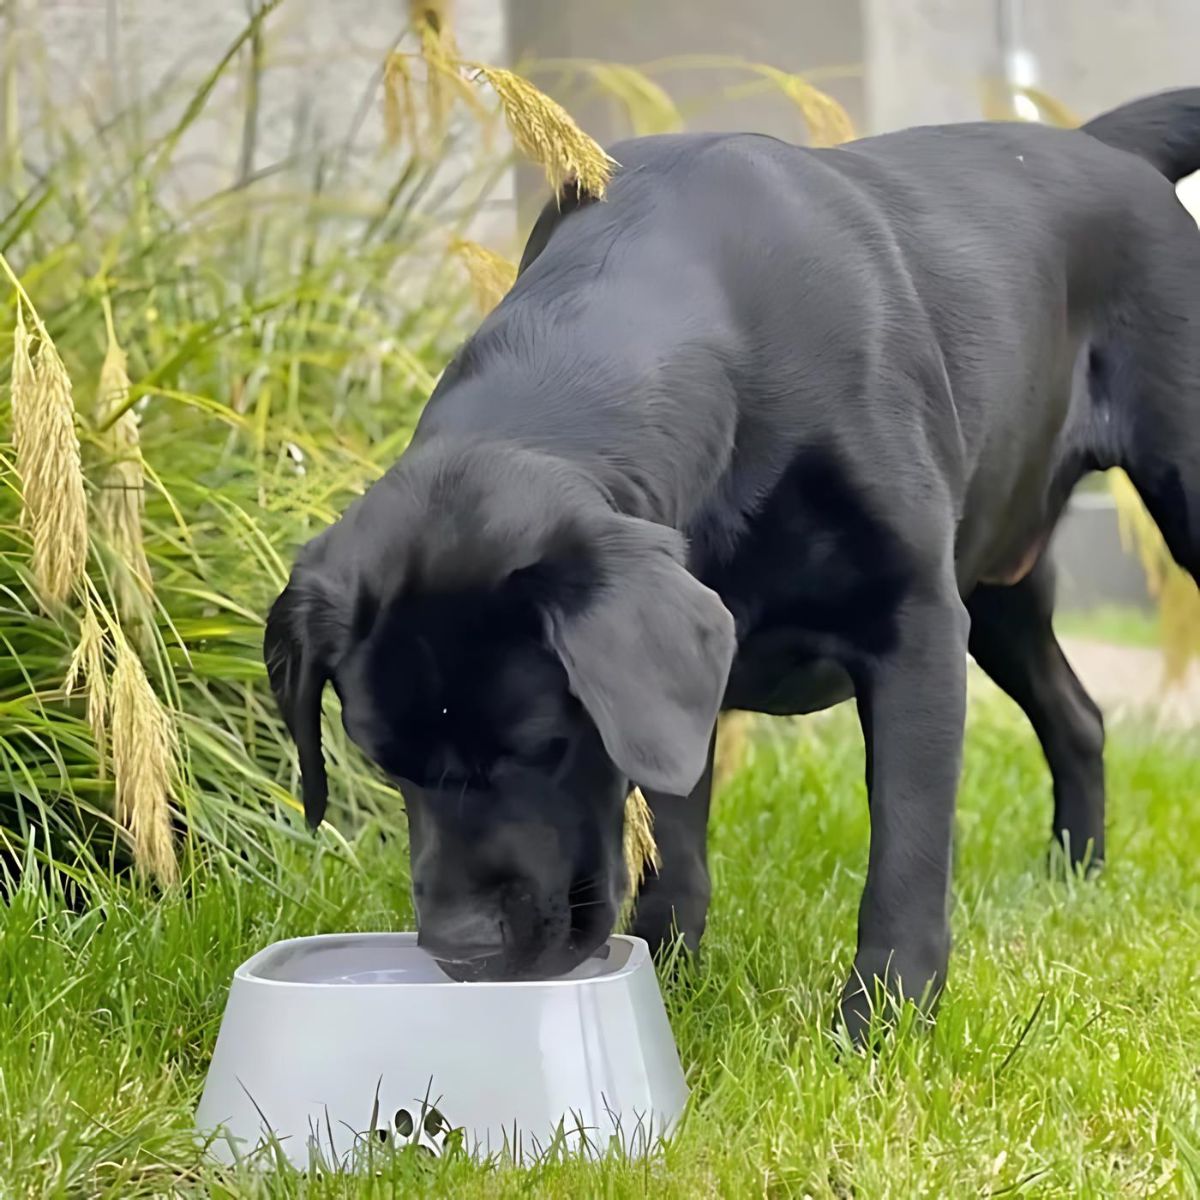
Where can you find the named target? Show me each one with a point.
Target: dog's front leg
(673, 901)
(912, 703)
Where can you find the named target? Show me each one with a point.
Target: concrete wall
(917, 61)
(1094, 570)
(1096, 55)
(925, 58)
(319, 82)
(795, 35)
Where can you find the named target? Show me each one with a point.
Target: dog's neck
(614, 421)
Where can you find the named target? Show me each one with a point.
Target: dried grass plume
(638, 842)
(122, 487)
(546, 133)
(491, 274)
(88, 664)
(434, 26)
(145, 758)
(399, 107)
(732, 734)
(54, 502)
(647, 103)
(828, 122)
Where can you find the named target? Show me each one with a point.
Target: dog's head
(514, 655)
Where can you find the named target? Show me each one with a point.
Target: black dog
(769, 428)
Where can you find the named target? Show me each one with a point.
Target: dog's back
(961, 269)
(858, 384)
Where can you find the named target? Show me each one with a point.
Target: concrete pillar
(796, 35)
(925, 59)
(1093, 56)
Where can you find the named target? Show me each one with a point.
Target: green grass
(1064, 1061)
(1122, 625)
(283, 333)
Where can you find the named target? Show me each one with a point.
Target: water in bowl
(374, 959)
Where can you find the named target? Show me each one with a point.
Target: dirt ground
(1127, 681)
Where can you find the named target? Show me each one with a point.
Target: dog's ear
(298, 669)
(647, 650)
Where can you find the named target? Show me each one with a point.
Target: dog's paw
(1062, 864)
(885, 992)
(658, 926)
(671, 923)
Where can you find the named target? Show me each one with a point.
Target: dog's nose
(459, 935)
(489, 942)
(466, 949)
(489, 968)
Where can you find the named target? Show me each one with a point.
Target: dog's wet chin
(504, 967)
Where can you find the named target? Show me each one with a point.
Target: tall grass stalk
(276, 341)
(247, 361)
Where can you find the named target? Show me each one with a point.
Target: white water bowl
(329, 1041)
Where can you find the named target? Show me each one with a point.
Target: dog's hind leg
(1167, 477)
(1163, 461)
(1147, 386)
(1013, 640)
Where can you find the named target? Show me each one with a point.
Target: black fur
(824, 404)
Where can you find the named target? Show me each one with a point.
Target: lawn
(1066, 1060)
(243, 362)
(1122, 625)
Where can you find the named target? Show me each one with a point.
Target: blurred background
(243, 238)
(890, 63)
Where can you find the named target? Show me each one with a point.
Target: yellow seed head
(145, 757)
(828, 122)
(647, 103)
(1179, 604)
(638, 843)
(48, 463)
(399, 108)
(491, 274)
(431, 20)
(1000, 98)
(122, 490)
(434, 13)
(732, 731)
(545, 133)
(87, 663)
(1137, 527)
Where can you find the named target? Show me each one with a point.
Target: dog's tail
(1163, 129)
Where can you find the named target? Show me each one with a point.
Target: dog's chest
(783, 672)
(814, 580)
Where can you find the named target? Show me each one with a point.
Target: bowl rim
(247, 972)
